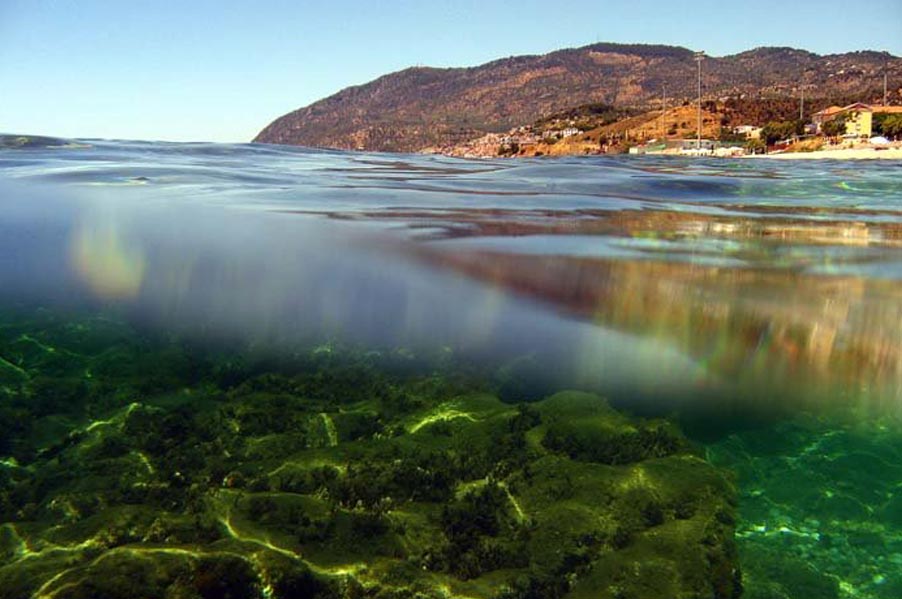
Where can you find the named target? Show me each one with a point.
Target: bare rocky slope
(420, 107)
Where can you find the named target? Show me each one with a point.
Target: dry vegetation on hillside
(419, 107)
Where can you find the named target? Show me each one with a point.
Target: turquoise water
(255, 371)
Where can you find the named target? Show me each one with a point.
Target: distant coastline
(601, 98)
(893, 153)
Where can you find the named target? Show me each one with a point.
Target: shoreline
(840, 154)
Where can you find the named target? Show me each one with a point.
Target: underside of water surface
(252, 372)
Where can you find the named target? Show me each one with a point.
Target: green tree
(834, 128)
(775, 131)
(755, 146)
(727, 135)
(892, 126)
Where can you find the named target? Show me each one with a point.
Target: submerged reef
(821, 513)
(137, 466)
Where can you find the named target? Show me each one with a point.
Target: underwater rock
(11, 375)
(782, 576)
(891, 512)
(154, 572)
(523, 379)
(336, 478)
(585, 428)
(819, 515)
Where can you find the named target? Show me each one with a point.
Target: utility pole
(699, 56)
(663, 110)
(802, 104)
(884, 86)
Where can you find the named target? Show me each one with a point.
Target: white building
(749, 131)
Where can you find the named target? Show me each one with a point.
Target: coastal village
(608, 98)
(675, 131)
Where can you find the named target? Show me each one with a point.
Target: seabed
(139, 464)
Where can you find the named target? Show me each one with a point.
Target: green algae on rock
(333, 476)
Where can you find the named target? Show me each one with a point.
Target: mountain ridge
(419, 107)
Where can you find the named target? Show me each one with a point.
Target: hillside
(590, 136)
(600, 128)
(421, 107)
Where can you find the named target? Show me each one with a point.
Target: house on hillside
(825, 115)
(560, 133)
(859, 117)
(748, 131)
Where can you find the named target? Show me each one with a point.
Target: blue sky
(221, 70)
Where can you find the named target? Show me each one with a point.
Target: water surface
(756, 305)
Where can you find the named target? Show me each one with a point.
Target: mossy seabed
(132, 466)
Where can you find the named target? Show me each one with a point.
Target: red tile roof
(860, 106)
(829, 111)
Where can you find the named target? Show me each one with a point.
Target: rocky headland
(425, 108)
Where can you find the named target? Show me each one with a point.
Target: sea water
(258, 371)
